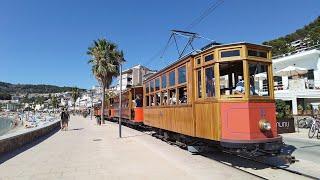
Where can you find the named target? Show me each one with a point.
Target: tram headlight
(264, 125)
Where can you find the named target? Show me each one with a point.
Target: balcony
(296, 85)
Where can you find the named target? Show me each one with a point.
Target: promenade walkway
(88, 151)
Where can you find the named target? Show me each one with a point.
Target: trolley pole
(120, 100)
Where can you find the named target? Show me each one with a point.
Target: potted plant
(308, 109)
(287, 110)
(300, 109)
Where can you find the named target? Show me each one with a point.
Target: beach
(13, 122)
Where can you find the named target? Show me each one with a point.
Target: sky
(45, 42)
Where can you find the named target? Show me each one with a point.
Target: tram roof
(197, 52)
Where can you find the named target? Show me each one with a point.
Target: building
(132, 77)
(304, 90)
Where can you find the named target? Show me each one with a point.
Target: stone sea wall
(12, 141)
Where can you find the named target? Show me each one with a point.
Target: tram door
(206, 107)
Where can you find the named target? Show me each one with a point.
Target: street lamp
(120, 96)
(120, 100)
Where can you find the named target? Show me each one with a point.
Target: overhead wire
(214, 5)
(205, 13)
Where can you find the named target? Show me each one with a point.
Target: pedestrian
(64, 119)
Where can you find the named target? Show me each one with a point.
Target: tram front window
(231, 78)
(259, 85)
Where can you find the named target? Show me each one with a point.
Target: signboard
(285, 126)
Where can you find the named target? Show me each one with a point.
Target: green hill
(309, 33)
(7, 89)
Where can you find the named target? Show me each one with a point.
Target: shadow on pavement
(76, 129)
(9, 155)
(310, 146)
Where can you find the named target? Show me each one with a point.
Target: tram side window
(183, 96)
(151, 86)
(199, 85)
(210, 82)
(231, 78)
(164, 98)
(163, 81)
(157, 84)
(157, 96)
(259, 79)
(147, 87)
(172, 78)
(152, 100)
(172, 97)
(147, 101)
(198, 61)
(182, 74)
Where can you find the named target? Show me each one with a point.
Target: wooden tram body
(130, 113)
(213, 110)
(210, 95)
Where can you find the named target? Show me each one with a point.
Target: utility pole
(120, 100)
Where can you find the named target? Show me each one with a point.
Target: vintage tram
(221, 95)
(131, 110)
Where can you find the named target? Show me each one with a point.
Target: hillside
(7, 89)
(309, 33)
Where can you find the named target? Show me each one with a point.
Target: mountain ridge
(12, 89)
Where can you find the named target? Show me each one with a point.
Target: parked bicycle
(315, 127)
(305, 122)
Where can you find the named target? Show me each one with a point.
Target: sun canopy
(291, 71)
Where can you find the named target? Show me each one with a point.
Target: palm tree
(105, 65)
(54, 102)
(75, 95)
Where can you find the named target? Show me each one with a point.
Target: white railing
(317, 46)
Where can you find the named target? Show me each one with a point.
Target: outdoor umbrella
(291, 71)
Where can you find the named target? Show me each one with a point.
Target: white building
(132, 77)
(306, 89)
(84, 101)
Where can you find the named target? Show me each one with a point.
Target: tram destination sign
(285, 125)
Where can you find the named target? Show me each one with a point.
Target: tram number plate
(285, 126)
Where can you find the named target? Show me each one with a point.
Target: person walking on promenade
(64, 119)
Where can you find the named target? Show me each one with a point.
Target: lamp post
(120, 100)
(121, 60)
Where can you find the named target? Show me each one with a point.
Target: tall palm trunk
(102, 103)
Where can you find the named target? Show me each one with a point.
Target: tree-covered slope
(309, 33)
(7, 88)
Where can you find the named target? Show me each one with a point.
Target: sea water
(5, 125)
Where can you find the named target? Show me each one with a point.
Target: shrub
(309, 107)
(280, 108)
(300, 107)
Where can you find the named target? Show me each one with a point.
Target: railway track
(257, 167)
